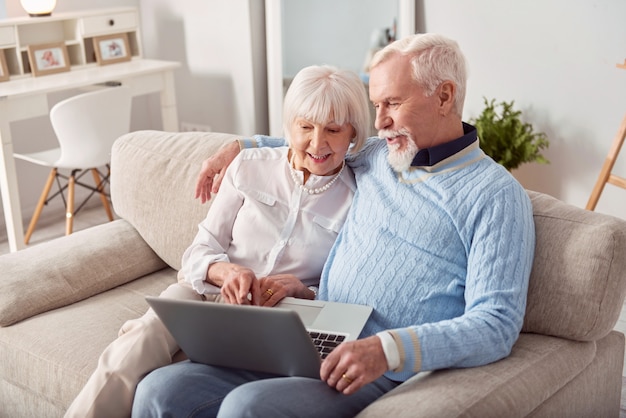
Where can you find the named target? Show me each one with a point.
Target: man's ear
(445, 93)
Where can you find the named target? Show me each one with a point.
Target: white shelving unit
(24, 96)
(76, 30)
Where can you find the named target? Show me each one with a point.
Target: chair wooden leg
(103, 196)
(69, 212)
(607, 167)
(40, 204)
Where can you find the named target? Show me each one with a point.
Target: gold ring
(347, 379)
(269, 292)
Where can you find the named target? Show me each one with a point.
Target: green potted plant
(505, 138)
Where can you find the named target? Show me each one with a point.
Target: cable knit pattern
(443, 254)
(428, 247)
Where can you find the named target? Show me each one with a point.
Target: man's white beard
(400, 160)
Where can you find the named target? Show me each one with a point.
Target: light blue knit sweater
(443, 254)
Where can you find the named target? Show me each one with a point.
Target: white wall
(556, 59)
(221, 45)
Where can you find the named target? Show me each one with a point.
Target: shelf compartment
(47, 32)
(7, 36)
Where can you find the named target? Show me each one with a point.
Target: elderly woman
(279, 210)
(266, 235)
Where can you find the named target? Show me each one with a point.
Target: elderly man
(439, 240)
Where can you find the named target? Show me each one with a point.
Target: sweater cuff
(390, 349)
(245, 143)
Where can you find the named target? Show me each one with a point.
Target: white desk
(26, 98)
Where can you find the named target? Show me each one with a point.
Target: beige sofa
(63, 301)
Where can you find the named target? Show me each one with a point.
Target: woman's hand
(236, 282)
(274, 288)
(240, 286)
(213, 169)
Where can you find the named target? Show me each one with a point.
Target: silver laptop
(288, 340)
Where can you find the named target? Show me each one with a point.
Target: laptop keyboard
(325, 342)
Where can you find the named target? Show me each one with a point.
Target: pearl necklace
(318, 190)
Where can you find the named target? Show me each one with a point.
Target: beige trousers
(143, 345)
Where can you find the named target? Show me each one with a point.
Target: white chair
(86, 126)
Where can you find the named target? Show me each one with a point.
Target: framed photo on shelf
(111, 49)
(4, 70)
(48, 58)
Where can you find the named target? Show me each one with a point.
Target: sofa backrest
(578, 280)
(153, 178)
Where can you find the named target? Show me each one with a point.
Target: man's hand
(213, 169)
(354, 364)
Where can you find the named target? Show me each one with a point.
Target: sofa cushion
(578, 281)
(95, 259)
(48, 358)
(165, 213)
(596, 391)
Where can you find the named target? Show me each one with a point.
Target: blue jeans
(196, 390)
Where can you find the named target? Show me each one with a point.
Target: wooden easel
(606, 175)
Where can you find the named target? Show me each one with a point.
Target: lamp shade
(37, 8)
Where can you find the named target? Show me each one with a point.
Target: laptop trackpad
(343, 318)
(307, 313)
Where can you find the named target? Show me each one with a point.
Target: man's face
(405, 116)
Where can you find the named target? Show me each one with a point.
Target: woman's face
(319, 148)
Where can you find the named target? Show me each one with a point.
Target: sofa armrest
(537, 368)
(72, 268)
(578, 281)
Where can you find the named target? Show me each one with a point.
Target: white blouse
(262, 220)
